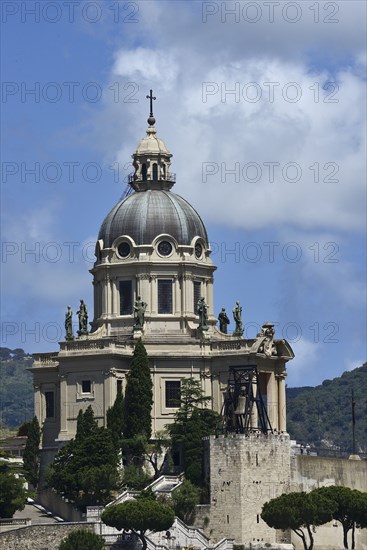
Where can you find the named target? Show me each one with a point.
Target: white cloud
(146, 65)
(302, 370)
(322, 141)
(351, 364)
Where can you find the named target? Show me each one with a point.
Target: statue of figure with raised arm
(83, 319)
(139, 312)
(237, 316)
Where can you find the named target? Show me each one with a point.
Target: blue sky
(264, 112)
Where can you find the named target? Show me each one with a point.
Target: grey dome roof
(145, 215)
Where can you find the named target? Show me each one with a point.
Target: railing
(45, 358)
(86, 345)
(168, 177)
(332, 453)
(12, 521)
(231, 345)
(164, 479)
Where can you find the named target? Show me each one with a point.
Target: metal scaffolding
(244, 410)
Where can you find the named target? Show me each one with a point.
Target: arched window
(144, 172)
(155, 171)
(164, 171)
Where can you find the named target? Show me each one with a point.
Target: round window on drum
(124, 250)
(164, 248)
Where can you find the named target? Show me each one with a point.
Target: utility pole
(353, 424)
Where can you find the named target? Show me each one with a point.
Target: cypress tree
(86, 424)
(115, 419)
(31, 458)
(138, 396)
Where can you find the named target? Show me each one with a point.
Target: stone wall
(56, 504)
(246, 472)
(39, 537)
(310, 472)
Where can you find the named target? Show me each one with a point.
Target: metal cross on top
(150, 96)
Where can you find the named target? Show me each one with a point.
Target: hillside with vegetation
(322, 416)
(16, 390)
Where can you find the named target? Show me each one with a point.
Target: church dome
(146, 214)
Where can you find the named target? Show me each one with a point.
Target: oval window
(124, 250)
(164, 248)
(198, 250)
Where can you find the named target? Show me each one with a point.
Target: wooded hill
(320, 416)
(16, 389)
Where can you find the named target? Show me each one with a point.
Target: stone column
(95, 299)
(177, 297)
(282, 413)
(254, 415)
(143, 289)
(183, 294)
(272, 401)
(109, 297)
(206, 384)
(189, 295)
(63, 408)
(153, 306)
(37, 403)
(104, 297)
(209, 295)
(99, 299)
(114, 297)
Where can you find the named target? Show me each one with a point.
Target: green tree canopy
(24, 428)
(82, 540)
(31, 457)
(138, 396)
(184, 500)
(139, 516)
(13, 496)
(85, 469)
(299, 512)
(192, 423)
(154, 451)
(86, 424)
(115, 419)
(350, 508)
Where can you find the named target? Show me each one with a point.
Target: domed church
(153, 279)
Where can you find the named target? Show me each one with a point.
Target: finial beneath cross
(150, 97)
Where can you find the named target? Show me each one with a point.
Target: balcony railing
(171, 177)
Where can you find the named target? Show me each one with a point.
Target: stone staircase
(163, 485)
(185, 536)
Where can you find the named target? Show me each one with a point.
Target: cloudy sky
(262, 105)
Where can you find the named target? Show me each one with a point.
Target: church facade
(153, 279)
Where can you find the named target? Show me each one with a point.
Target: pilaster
(282, 412)
(63, 407)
